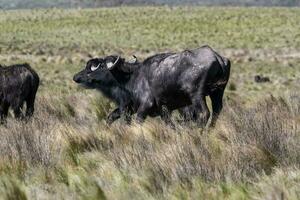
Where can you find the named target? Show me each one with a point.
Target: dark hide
(18, 84)
(161, 84)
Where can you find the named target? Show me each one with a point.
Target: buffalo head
(98, 71)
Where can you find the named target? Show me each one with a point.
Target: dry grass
(60, 150)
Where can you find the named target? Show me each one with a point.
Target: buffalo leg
(187, 113)
(143, 111)
(30, 105)
(17, 108)
(141, 115)
(113, 116)
(3, 112)
(201, 112)
(18, 112)
(217, 104)
(166, 116)
(125, 113)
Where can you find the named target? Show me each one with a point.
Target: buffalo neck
(124, 72)
(119, 94)
(124, 85)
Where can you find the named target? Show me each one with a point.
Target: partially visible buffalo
(261, 79)
(18, 84)
(161, 84)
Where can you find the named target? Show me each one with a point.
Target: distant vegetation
(13, 4)
(68, 152)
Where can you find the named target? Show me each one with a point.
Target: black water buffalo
(161, 84)
(18, 84)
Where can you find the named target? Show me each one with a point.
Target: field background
(13, 4)
(67, 152)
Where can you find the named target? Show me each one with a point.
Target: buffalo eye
(94, 68)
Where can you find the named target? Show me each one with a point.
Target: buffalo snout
(77, 78)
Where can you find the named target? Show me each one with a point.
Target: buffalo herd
(154, 87)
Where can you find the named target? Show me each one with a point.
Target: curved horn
(111, 65)
(93, 68)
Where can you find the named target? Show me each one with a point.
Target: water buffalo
(161, 84)
(18, 84)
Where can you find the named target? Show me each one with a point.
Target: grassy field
(31, 4)
(68, 152)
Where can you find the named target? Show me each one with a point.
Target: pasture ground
(67, 151)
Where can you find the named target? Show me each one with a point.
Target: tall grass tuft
(82, 154)
(11, 189)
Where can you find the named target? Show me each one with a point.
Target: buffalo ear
(133, 60)
(111, 65)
